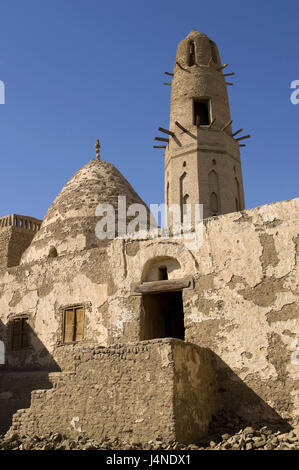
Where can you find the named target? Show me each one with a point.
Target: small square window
(163, 274)
(201, 114)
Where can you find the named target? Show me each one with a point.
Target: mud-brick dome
(70, 222)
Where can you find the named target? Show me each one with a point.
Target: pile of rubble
(262, 439)
(245, 439)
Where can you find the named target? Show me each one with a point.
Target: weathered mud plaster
(247, 317)
(236, 298)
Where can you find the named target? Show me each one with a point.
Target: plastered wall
(242, 302)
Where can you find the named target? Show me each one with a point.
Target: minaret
(202, 158)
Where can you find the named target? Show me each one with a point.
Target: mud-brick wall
(15, 393)
(135, 392)
(5, 234)
(13, 243)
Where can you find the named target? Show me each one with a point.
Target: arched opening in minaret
(214, 204)
(191, 54)
(185, 200)
(183, 195)
(214, 52)
(185, 212)
(214, 193)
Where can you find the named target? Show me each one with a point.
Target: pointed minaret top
(98, 146)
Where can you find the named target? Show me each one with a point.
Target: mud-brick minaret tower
(202, 158)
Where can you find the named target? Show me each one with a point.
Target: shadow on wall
(240, 406)
(24, 351)
(27, 369)
(2, 344)
(24, 370)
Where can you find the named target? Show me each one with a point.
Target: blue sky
(78, 70)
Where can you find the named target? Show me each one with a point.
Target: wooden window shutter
(69, 325)
(24, 333)
(16, 339)
(79, 324)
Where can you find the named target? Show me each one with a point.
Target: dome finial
(98, 146)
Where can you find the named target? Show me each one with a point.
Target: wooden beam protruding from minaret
(212, 123)
(162, 139)
(227, 125)
(180, 126)
(181, 67)
(237, 132)
(166, 131)
(243, 138)
(222, 67)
